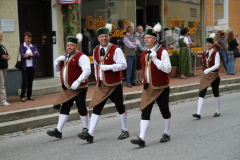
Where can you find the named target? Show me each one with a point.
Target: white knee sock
(143, 128)
(85, 120)
(200, 104)
(167, 125)
(62, 119)
(217, 102)
(123, 118)
(93, 123)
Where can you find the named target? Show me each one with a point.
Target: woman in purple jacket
(29, 54)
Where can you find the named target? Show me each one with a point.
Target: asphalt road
(209, 138)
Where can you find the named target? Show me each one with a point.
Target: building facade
(44, 19)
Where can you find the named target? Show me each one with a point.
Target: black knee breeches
(163, 104)
(116, 97)
(80, 102)
(215, 88)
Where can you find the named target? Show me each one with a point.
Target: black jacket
(3, 63)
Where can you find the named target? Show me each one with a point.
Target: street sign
(62, 2)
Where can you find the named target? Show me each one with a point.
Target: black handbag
(18, 65)
(236, 53)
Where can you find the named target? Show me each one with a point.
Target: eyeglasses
(148, 37)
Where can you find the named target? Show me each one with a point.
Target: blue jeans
(224, 58)
(131, 69)
(231, 63)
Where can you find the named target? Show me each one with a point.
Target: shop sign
(99, 22)
(7, 25)
(112, 4)
(178, 23)
(61, 2)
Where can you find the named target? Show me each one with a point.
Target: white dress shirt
(216, 62)
(164, 64)
(29, 62)
(83, 62)
(118, 58)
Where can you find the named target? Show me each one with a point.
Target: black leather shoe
(84, 130)
(138, 141)
(86, 136)
(54, 133)
(165, 138)
(197, 116)
(216, 114)
(135, 84)
(124, 135)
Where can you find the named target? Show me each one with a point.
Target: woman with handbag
(232, 45)
(29, 54)
(4, 57)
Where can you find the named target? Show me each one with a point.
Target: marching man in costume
(74, 70)
(109, 62)
(156, 67)
(211, 63)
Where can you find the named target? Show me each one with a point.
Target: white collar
(210, 51)
(25, 45)
(153, 49)
(106, 47)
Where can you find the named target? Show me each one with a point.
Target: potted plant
(174, 59)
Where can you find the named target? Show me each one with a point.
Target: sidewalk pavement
(49, 99)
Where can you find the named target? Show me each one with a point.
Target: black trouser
(163, 104)
(27, 81)
(116, 97)
(215, 88)
(80, 100)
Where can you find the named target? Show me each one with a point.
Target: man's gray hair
(139, 27)
(1, 32)
(129, 28)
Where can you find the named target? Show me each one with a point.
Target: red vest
(210, 62)
(157, 78)
(110, 78)
(73, 70)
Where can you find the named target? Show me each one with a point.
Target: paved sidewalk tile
(49, 99)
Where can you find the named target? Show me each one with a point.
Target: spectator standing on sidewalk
(138, 36)
(4, 57)
(74, 70)
(156, 69)
(109, 61)
(130, 47)
(211, 63)
(29, 54)
(184, 58)
(221, 44)
(232, 45)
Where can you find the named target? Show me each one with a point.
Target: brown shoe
(139, 83)
(23, 100)
(183, 77)
(129, 85)
(135, 84)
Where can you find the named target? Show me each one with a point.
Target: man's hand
(206, 71)
(61, 58)
(153, 54)
(75, 84)
(106, 67)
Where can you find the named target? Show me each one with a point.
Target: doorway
(35, 16)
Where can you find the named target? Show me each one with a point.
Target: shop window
(176, 17)
(96, 13)
(220, 14)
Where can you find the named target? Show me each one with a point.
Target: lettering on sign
(99, 22)
(178, 23)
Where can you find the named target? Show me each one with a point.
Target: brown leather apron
(207, 79)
